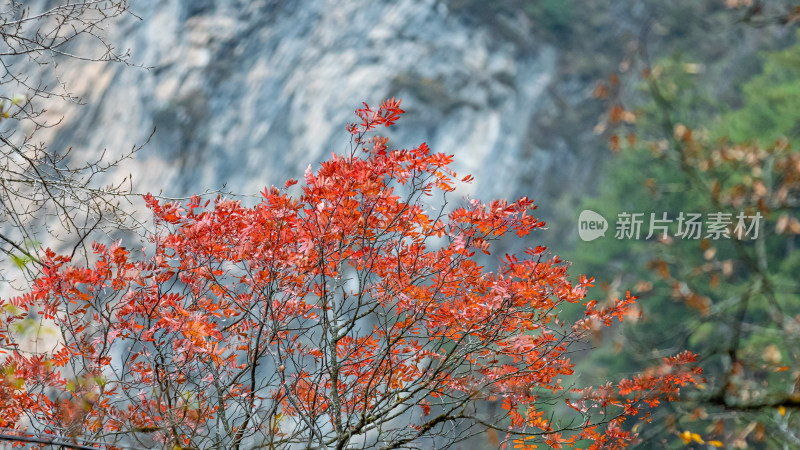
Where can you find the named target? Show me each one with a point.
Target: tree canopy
(352, 314)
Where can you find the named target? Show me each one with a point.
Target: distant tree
(730, 297)
(354, 315)
(45, 193)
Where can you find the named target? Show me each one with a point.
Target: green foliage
(21, 261)
(772, 102)
(715, 297)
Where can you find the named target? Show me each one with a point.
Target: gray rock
(247, 94)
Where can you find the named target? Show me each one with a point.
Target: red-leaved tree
(352, 315)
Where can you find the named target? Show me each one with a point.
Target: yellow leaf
(716, 443)
(772, 354)
(781, 410)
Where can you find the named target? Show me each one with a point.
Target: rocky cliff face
(245, 94)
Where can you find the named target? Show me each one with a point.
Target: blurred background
(610, 105)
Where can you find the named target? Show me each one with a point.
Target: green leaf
(20, 261)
